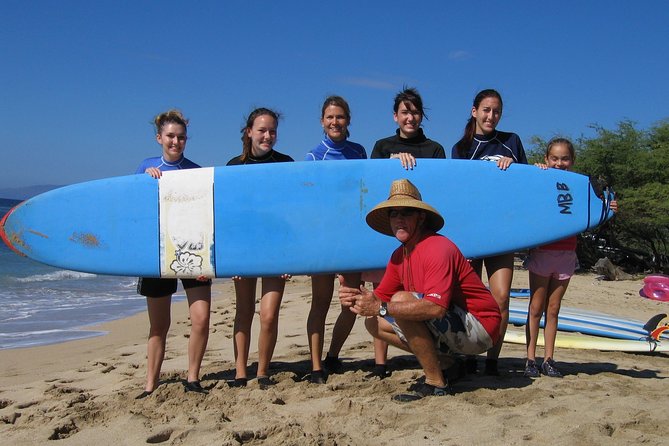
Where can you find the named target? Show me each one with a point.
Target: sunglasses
(406, 212)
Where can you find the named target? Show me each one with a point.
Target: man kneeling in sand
(430, 301)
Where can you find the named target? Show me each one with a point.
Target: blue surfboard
(520, 293)
(298, 218)
(587, 322)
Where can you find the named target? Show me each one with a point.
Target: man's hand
(365, 303)
(359, 300)
(347, 295)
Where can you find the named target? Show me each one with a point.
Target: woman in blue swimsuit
(171, 135)
(335, 119)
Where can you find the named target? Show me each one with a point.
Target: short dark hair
(410, 95)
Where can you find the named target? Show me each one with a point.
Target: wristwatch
(383, 309)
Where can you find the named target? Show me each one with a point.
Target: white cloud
(459, 55)
(370, 83)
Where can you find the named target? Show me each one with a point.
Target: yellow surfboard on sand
(587, 342)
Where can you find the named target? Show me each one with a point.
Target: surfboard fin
(655, 334)
(653, 322)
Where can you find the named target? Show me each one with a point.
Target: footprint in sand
(64, 431)
(5, 403)
(26, 405)
(11, 418)
(160, 437)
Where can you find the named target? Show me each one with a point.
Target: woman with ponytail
(482, 141)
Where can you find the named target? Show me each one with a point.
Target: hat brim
(379, 220)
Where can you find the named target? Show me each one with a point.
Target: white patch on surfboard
(187, 223)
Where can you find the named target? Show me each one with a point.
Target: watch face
(383, 310)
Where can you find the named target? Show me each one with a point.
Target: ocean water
(41, 305)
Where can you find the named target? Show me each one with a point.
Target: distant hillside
(22, 193)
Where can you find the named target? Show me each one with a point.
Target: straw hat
(402, 194)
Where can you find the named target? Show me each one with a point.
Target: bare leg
(381, 330)
(500, 275)
(322, 288)
(199, 305)
(380, 351)
(423, 347)
(341, 330)
(556, 290)
(470, 360)
(345, 321)
(245, 294)
(380, 346)
(270, 303)
(159, 320)
(538, 291)
(420, 343)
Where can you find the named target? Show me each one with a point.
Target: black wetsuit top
(419, 146)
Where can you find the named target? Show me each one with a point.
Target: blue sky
(81, 80)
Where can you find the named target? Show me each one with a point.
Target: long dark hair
(465, 142)
(246, 141)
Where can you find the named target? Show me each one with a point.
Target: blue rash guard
(341, 150)
(153, 286)
(493, 147)
(162, 165)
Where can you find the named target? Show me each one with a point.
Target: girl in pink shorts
(554, 261)
(551, 267)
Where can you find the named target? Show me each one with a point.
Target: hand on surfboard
(504, 162)
(238, 278)
(408, 161)
(154, 172)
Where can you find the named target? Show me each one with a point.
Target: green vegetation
(635, 163)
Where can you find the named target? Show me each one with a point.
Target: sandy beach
(82, 392)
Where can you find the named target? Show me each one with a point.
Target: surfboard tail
(12, 238)
(600, 207)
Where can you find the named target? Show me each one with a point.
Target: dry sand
(82, 392)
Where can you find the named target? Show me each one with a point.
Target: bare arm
(403, 305)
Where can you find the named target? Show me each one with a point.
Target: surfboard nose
(10, 238)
